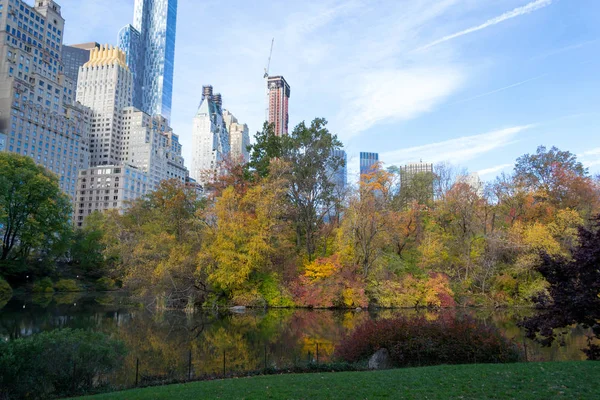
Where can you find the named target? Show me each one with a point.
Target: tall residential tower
(150, 46)
(210, 139)
(239, 138)
(279, 97)
(38, 115)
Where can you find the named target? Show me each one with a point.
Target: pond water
(166, 342)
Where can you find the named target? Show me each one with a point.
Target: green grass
(560, 380)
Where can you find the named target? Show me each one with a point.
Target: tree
(153, 246)
(34, 212)
(309, 150)
(540, 170)
(574, 291)
(268, 147)
(365, 228)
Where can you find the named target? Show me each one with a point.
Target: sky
(476, 83)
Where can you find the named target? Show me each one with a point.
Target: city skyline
(472, 93)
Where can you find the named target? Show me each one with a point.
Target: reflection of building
(38, 115)
(473, 181)
(150, 46)
(210, 140)
(74, 56)
(367, 160)
(279, 96)
(239, 138)
(339, 176)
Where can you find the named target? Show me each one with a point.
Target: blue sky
(474, 82)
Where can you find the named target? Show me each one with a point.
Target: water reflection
(165, 342)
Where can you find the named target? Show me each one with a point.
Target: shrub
(5, 292)
(105, 284)
(67, 285)
(418, 341)
(56, 363)
(44, 285)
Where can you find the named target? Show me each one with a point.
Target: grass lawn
(557, 380)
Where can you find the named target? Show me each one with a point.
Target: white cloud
(493, 170)
(590, 158)
(457, 150)
(526, 9)
(392, 95)
(501, 89)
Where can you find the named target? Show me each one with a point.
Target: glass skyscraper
(150, 47)
(367, 160)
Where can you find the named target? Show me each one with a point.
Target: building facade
(339, 176)
(105, 85)
(367, 160)
(74, 56)
(279, 97)
(239, 138)
(474, 182)
(38, 115)
(210, 139)
(108, 187)
(131, 152)
(150, 46)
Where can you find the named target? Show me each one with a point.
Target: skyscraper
(38, 117)
(150, 46)
(367, 160)
(279, 96)
(210, 140)
(105, 85)
(74, 56)
(131, 151)
(339, 176)
(239, 138)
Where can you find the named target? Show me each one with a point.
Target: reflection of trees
(162, 341)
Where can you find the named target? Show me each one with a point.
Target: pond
(173, 344)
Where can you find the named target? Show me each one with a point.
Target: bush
(44, 285)
(67, 285)
(105, 284)
(418, 341)
(5, 292)
(56, 363)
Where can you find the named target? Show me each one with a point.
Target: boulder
(380, 360)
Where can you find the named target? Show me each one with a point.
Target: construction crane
(269, 61)
(266, 77)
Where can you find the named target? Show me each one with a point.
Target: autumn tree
(365, 228)
(153, 245)
(267, 147)
(573, 295)
(34, 212)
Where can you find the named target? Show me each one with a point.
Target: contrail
(526, 9)
(500, 89)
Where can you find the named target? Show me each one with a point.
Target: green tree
(309, 150)
(267, 147)
(34, 213)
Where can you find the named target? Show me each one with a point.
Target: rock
(238, 309)
(380, 360)
(358, 309)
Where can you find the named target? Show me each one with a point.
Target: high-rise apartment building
(210, 139)
(339, 175)
(105, 85)
(131, 152)
(239, 138)
(367, 160)
(38, 115)
(150, 46)
(74, 56)
(474, 181)
(279, 97)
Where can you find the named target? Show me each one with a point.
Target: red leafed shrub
(417, 341)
